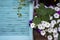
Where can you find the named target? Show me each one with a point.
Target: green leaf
(36, 20)
(19, 7)
(19, 14)
(22, 0)
(23, 4)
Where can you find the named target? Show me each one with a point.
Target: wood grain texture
(37, 35)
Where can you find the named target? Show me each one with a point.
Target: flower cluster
(51, 27)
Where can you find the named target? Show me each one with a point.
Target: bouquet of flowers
(47, 21)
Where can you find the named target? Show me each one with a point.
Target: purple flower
(39, 30)
(58, 12)
(30, 22)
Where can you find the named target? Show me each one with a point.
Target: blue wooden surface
(11, 26)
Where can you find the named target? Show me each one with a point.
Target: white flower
(46, 24)
(32, 25)
(45, 6)
(58, 21)
(43, 33)
(53, 22)
(51, 17)
(49, 37)
(55, 35)
(35, 16)
(55, 30)
(51, 7)
(56, 15)
(59, 29)
(51, 25)
(40, 26)
(43, 23)
(37, 6)
(50, 30)
(58, 4)
(57, 8)
(59, 25)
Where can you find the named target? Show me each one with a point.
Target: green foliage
(43, 14)
(41, 5)
(23, 4)
(19, 14)
(36, 20)
(22, 0)
(19, 7)
(44, 11)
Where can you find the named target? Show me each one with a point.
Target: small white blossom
(56, 38)
(43, 23)
(58, 4)
(35, 16)
(53, 22)
(51, 25)
(55, 30)
(40, 26)
(45, 6)
(43, 27)
(55, 35)
(46, 24)
(51, 17)
(51, 7)
(32, 25)
(59, 25)
(58, 21)
(57, 8)
(59, 29)
(56, 15)
(37, 6)
(50, 30)
(49, 37)
(43, 33)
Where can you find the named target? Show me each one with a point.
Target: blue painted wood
(13, 27)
